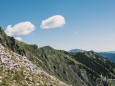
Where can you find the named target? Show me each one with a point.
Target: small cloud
(18, 38)
(53, 22)
(22, 28)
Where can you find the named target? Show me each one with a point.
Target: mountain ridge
(66, 67)
(106, 54)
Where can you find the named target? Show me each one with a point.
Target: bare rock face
(17, 70)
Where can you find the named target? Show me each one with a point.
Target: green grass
(19, 76)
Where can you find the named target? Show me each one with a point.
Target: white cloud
(22, 28)
(18, 38)
(53, 22)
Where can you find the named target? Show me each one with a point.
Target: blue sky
(90, 24)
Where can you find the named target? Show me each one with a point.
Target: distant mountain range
(108, 54)
(76, 51)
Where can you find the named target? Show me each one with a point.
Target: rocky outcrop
(10, 43)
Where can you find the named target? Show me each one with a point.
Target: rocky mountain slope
(81, 69)
(96, 63)
(17, 70)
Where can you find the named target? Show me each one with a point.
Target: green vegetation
(18, 76)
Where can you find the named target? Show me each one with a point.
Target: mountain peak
(47, 47)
